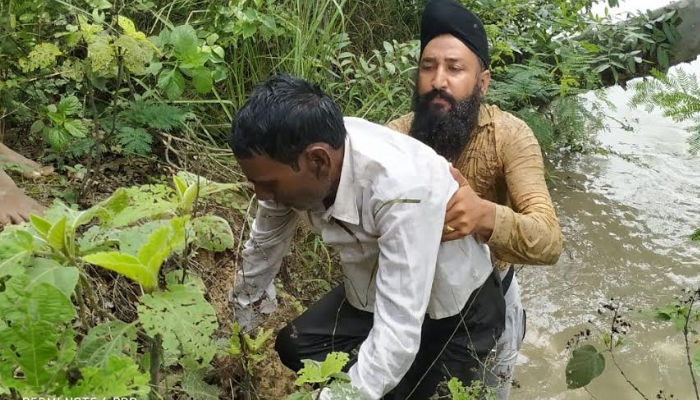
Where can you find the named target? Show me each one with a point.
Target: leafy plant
(59, 124)
(326, 375)
(42, 265)
(201, 63)
(476, 391)
(677, 95)
(587, 363)
(247, 348)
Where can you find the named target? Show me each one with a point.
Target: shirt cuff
(502, 228)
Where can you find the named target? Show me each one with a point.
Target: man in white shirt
(419, 311)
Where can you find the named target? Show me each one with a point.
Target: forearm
(270, 239)
(533, 238)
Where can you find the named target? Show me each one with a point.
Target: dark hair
(282, 117)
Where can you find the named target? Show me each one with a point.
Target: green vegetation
(97, 85)
(587, 363)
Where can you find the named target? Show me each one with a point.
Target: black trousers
(450, 347)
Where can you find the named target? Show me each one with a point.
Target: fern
(155, 116)
(677, 95)
(134, 141)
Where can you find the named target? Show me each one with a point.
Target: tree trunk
(686, 49)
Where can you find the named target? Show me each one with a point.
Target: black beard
(446, 132)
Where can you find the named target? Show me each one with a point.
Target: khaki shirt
(503, 164)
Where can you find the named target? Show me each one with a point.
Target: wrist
(487, 222)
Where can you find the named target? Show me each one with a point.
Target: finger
(453, 200)
(5, 220)
(452, 217)
(457, 176)
(448, 237)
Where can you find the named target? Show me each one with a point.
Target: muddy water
(626, 222)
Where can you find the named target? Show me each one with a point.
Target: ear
(485, 81)
(318, 160)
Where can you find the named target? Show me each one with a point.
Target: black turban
(450, 17)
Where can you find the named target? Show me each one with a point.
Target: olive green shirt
(503, 164)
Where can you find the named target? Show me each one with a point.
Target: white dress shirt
(386, 223)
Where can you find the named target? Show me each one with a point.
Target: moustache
(433, 94)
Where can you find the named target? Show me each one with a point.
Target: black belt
(508, 279)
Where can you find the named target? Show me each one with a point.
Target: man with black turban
(503, 199)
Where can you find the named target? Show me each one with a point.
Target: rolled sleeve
(529, 232)
(270, 239)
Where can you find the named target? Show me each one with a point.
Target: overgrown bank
(104, 88)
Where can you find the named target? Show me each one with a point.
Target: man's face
(301, 189)
(448, 66)
(447, 98)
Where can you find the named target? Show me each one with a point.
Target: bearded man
(504, 199)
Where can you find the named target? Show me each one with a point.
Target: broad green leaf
(69, 105)
(42, 56)
(120, 377)
(172, 83)
(300, 396)
(161, 243)
(60, 210)
(212, 38)
(184, 39)
(194, 62)
(667, 31)
(99, 4)
(155, 250)
(61, 277)
(126, 24)
(585, 365)
(57, 234)
(194, 385)
(334, 363)
(104, 210)
(316, 372)
(115, 338)
(207, 187)
(154, 68)
(126, 265)
(40, 225)
(213, 233)
(185, 320)
(16, 247)
(189, 198)
(131, 239)
(148, 201)
(343, 390)
(33, 339)
(175, 278)
(76, 128)
(202, 80)
(180, 186)
(37, 126)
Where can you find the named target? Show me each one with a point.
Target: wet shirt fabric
(503, 164)
(386, 224)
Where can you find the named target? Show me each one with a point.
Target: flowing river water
(626, 222)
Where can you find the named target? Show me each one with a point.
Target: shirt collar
(485, 117)
(345, 206)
